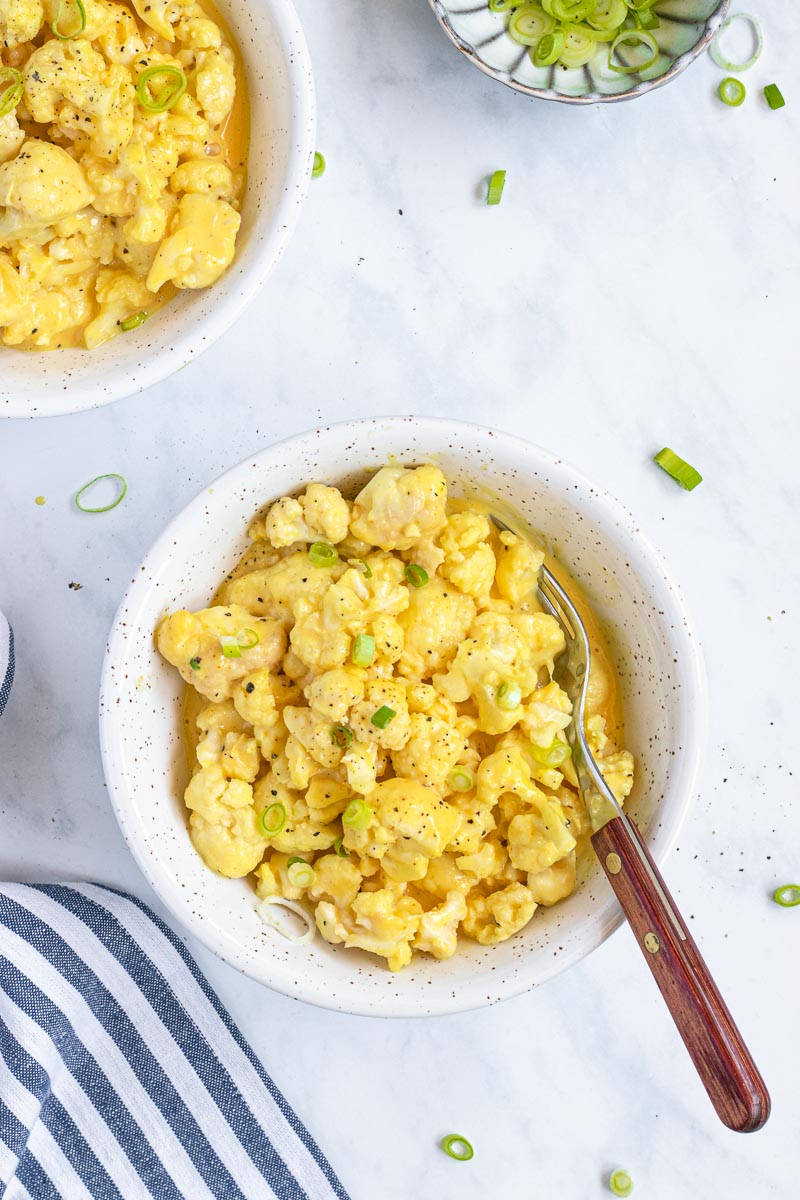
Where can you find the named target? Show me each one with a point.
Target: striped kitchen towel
(121, 1075)
(6, 661)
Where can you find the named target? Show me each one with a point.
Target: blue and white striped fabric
(6, 661)
(121, 1075)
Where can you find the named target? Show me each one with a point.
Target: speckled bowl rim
(682, 790)
(210, 327)
(639, 89)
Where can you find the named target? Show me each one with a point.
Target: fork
(716, 1047)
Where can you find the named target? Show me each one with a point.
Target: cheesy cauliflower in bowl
(375, 731)
(123, 148)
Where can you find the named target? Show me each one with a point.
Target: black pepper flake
(249, 687)
(75, 587)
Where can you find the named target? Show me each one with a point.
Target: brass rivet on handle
(613, 863)
(651, 943)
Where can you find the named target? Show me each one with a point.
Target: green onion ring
(321, 554)
(361, 564)
(787, 896)
(300, 873)
(678, 469)
(105, 507)
(319, 165)
(339, 849)
(773, 96)
(10, 98)
(496, 184)
(500, 6)
(363, 650)
(571, 10)
(169, 94)
(457, 1147)
(732, 92)
(416, 575)
(357, 815)
(620, 1184)
(628, 37)
(342, 736)
(548, 49)
(383, 716)
(715, 49)
(230, 646)
(508, 696)
(529, 23)
(551, 756)
(273, 819)
(194, 663)
(133, 322)
(67, 37)
(247, 638)
(461, 780)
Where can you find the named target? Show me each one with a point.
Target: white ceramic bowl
(280, 89)
(658, 660)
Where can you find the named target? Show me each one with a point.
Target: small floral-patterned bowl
(685, 29)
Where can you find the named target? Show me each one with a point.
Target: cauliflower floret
(334, 693)
(617, 770)
(437, 931)
(314, 733)
(412, 824)
(321, 514)
(382, 693)
(361, 767)
(385, 924)
(336, 880)
(503, 649)
(547, 714)
(215, 83)
(197, 30)
(554, 883)
(284, 590)
(191, 642)
(469, 561)
(160, 15)
(12, 290)
(327, 798)
(119, 295)
(399, 507)
(432, 750)
(204, 178)
(20, 21)
(518, 566)
(434, 624)
(43, 183)
(199, 246)
(118, 34)
(11, 136)
(490, 860)
(443, 877)
(510, 910)
(232, 847)
(303, 832)
(540, 837)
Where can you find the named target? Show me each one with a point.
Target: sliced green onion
(633, 37)
(493, 196)
(167, 95)
(321, 554)
(773, 96)
(230, 646)
(504, 5)
(551, 756)
(11, 88)
(678, 469)
(715, 49)
(269, 910)
(461, 780)
(787, 896)
(319, 165)
(67, 37)
(133, 322)
(732, 92)
(457, 1147)
(530, 22)
(357, 815)
(608, 15)
(620, 1184)
(571, 10)
(548, 49)
(299, 873)
(362, 565)
(247, 638)
(508, 696)
(342, 736)
(194, 663)
(104, 507)
(273, 819)
(416, 575)
(647, 19)
(383, 716)
(363, 650)
(339, 849)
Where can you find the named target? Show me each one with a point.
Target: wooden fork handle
(723, 1061)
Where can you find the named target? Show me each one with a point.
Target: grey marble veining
(636, 288)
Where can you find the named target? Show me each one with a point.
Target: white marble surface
(637, 287)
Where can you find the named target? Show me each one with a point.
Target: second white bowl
(657, 658)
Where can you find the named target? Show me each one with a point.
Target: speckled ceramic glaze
(686, 27)
(658, 661)
(280, 90)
